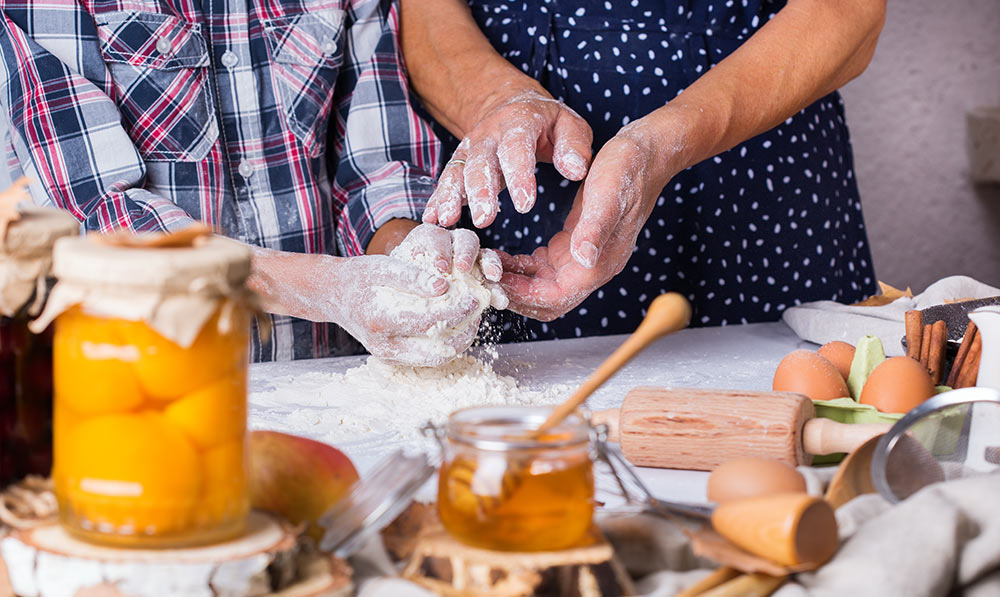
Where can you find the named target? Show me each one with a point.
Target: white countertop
(731, 357)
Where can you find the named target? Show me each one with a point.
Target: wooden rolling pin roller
(700, 429)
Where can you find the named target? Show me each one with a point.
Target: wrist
(681, 135)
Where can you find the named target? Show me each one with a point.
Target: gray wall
(926, 220)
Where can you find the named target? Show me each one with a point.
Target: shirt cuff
(397, 191)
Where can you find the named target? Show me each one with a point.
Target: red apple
(296, 477)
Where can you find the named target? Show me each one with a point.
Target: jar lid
(26, 255)
(375, 501)
(173, 289)
(35, 231)
(211, 264)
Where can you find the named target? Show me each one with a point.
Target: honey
(496, 491)
(144, 455)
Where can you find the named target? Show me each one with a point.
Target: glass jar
(498, 490)
(26, 358)
(150, 364)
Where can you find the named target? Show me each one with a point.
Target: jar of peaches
(150, 371)
(26, 238)
(501, 489)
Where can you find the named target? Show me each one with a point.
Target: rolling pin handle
(608, 418)
(823, 436)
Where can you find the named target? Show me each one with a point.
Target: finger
(432, 244)
(490, 264)
(430, 215)
(462, 340)
(572, 139)
(449, 196)
(602, 209)
(465, 245)
(526, 265)
(404, 277)
(498, 298)
(517, 162)
(482, 183)
(529, 296)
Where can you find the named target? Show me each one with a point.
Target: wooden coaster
(45, 560)
(447, 567)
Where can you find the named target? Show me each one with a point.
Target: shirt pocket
(159, 67)
(307, 52)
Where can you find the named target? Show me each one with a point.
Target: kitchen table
(732, 357)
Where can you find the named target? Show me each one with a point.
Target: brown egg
(840, 354)
(897, 385)
(753, 477)
(808, 373)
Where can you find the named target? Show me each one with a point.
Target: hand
(501, 151)
(597, 239)
(344, 291)
(454, 251)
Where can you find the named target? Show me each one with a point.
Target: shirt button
(163, 45)
(229, 59)
(329, 47)
(246, 169)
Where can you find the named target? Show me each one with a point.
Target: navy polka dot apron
(771, 223)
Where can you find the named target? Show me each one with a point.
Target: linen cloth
(943, 540)
(826, 321)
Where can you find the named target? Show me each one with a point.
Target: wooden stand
(447, 567)
(46, 561)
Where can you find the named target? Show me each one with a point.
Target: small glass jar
(150, 362)
(498, 490)
(26, 358)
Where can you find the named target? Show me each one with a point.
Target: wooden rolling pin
(700, 429)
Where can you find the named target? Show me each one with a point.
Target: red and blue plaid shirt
(285, 124)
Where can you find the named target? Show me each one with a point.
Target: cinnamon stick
(914, 332)
(963, 350)
(938, 343)
(925, 345)
(970, 368)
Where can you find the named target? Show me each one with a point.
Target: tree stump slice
(47, 562)
(447, 567)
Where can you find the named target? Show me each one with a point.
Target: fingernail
(575, 164)
(586, 254)
(522, 201)
(442, 266)
(478, 216)
(439, 285)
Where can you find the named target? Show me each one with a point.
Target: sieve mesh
(951, 436)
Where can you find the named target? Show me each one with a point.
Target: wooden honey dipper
(667, 313)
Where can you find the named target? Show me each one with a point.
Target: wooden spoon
(667, 313)
(853, 476)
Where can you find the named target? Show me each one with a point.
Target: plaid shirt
(285, 124)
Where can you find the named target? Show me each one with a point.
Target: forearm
(452, 66)
(809, 49)
(289, 283)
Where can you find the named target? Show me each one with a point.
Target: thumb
(602, 209)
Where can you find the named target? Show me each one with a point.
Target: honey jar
(25, 358)
(499, 489)
(150, 368)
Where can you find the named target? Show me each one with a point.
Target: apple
(297, 477)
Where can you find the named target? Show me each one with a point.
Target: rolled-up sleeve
(385, 155)
(65, 129)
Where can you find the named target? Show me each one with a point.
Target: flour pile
(377, 399)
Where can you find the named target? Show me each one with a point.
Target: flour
(382, 401)
(442, 342)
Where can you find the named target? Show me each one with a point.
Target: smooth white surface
(732, 357)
